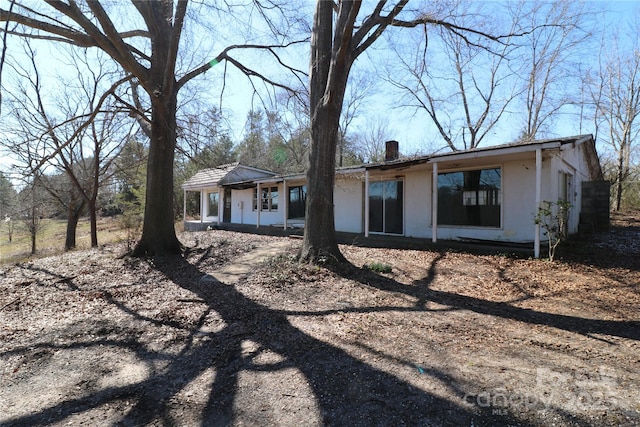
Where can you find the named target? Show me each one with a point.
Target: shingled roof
(231, 173)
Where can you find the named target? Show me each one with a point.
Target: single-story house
(487, 194)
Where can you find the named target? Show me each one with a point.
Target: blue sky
(413, 129)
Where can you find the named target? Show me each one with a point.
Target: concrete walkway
(240, 267)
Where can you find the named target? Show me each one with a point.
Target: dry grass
(50, 239)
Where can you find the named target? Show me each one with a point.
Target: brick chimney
(391, 151)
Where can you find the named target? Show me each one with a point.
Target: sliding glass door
(386, 207)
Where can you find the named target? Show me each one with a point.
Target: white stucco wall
(242, 208)
(518, 208)
(417, 204)
(348, 205)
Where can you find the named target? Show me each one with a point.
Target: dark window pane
(376, 214)
(386, 207)
(265, 199)
(393, 207)
(470, 198)
(213, 204)
(274, 198)
(297, 202)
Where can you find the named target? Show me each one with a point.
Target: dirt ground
(445, 338)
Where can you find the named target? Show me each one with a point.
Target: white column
(536, 237)
(285, 199)
(184, 209)
(221, 203)
(203, 207)
(258, 205)
(434, 204)
(366, 203)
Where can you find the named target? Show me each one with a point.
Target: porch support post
(203, 207)
(366, 203)
(258, 205)
(285, 199)
(536, 236)
(221, 203)
(184, 208)
(434, 203)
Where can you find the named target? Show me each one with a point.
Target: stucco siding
(417, 204)
(241, 212)
(349, 205)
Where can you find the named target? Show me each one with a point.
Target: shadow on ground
(345, 390)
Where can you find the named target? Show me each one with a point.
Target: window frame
(268, 195)
(216, 212)
(301, 191)
(476, 205)
(385, 223)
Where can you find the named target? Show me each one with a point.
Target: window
(385, 207)
(470, 198)
(213, 199)
(297, 202)
(268, 199)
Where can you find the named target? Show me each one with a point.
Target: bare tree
(32, 211)
(150, 56)
(359, 89)
(371, 138)
(548, 58)
(616, 96)
(7, 205)
(334, 48)
(49, 130)
(463, 85)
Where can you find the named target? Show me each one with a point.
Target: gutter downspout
(434, 204)
(536, 241)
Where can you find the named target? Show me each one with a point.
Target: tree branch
(89, 120)
(71, 36)
(224, 55)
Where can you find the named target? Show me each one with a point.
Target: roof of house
(229, 174)
(586, 141)
(235, 174)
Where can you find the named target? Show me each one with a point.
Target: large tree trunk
(158, 231)
(93, 222)
(330, 66)
(319, 244)
(73, 216)
(620, 179)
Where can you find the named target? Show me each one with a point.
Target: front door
(226, 212)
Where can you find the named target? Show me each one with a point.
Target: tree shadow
(423, 293)
(346, 390)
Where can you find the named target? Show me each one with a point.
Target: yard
(51, 236)
(445, 338)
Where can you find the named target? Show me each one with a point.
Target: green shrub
(379, 267)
